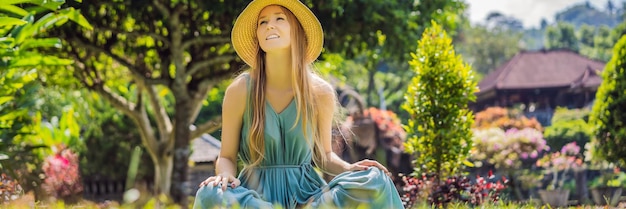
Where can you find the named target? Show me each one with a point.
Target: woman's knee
(208, 194)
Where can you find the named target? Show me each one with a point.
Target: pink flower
(524, 155)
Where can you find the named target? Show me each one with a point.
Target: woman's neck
(278, 71)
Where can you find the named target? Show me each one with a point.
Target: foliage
(486, 48)
(613, 178)
(456, 189)
(504, 119)
(584, 13)
(103, 159)
(561, 36)
(10, 189)
(565, 114)
(15, 85)
(507, 150)
(19, 29)
(18, 159)
(357, 26)
(64, 130)
(608, 116)
(561, 162)
(358, 32)
(563, 132)
(596, 42)
(22, 24)
(439, 127)
(62, 175)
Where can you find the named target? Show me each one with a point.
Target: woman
(277, 118)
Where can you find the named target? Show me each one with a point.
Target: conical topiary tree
(439, 128)
(608, 116)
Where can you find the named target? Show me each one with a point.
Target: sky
(530, 12)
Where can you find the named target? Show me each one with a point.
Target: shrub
(439, 127)
(456, 189)
(504, 119)
(507, 150)
(566, 131)
(566, 114)
(387, 122)
(62, 177)
(608, 113)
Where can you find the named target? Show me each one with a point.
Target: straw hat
(244, 31)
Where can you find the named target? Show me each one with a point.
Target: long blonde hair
(304, 97)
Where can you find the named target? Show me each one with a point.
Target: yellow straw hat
(244, 31)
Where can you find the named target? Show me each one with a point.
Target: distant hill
(586, 14)
(576, 15)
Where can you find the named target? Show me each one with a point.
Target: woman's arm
(326, 99)
(232, 116)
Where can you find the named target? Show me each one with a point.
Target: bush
(608, 113)
(62, 177)
(566, 131)
(456, 189)
(565, 114)
(504, 119)
(439, 128)
(510, 150)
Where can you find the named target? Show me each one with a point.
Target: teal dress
(287, 179)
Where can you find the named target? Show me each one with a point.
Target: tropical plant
(21, 25)
(608, 115)
(440, 125)
(19, 30)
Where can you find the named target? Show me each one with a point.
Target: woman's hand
(224, 179)
(365, 164)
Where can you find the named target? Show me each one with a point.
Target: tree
(498, 20)
(142, 51)
(437, 100)
(543, 24)
(610, 7)
(608, 115)
(561, 36)
(360, 31)
(586, 34)
(485, 49)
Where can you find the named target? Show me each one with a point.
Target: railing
(106, 189)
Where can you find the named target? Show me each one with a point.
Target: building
(205, 150)
(539, 81)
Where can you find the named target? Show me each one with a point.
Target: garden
(97, 99)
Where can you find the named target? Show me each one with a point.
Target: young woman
(277, 118)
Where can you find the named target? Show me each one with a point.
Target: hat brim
(244, 38)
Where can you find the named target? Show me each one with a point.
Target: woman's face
(273, 29)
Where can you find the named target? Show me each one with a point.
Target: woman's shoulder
(321, 86)
(238, 89)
